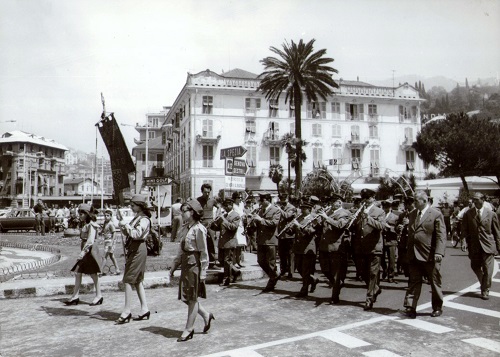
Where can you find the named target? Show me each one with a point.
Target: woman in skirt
(135, 233)
(193, 260)
(90, 259)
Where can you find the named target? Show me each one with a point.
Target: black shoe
(409, 312)
(268, 289)
(236, 275)
(437, 313)
(122, 320)
(207, 326)
(368, 306)
(289, 276)
(379, 291)
(335, 300)
(390, 280)
(485, 294)
(225, 283)
(301, 294)
(72, 302)
(142, 317)
(98, 302)
(188, 337)
(313, 285)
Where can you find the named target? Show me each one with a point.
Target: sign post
(158, 181)
(234, 167)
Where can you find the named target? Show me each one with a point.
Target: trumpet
(250, 219)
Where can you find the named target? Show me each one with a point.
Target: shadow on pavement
(106, 315)
(162, 331)
(51, 311)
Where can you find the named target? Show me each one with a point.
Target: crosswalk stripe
(484, 343)
(476, 310)
(495, 280)
(343, 339)
(244, 353)
(380, 353)
(427, 326)
(492, 293)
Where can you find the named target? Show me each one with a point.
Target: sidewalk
(64, 286)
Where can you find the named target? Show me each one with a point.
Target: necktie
(478, 215)
(419, 215)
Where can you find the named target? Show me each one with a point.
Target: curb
(64, 286)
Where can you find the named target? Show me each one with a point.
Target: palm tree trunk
(298, 134)
(289, 186)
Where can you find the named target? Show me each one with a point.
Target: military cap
(367, 193)
(265, 196)
(228, 200)
(314, 200)
(306, 204)
(478, 196)
(283, 196)
(335, 197)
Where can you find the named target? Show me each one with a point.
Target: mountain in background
(437, 81)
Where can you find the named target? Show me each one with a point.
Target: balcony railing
(406, 143)
(407, 118)
(357, 141)
(350, 116)
(271, 137)
(373, 118)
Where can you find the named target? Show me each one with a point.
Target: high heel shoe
(98, 302)
(207, 326)
(122, 320)
(188, 337)
(72, 302)
(142, 317)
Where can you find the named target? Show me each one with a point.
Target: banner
(121, 161)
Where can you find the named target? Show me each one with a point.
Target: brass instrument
(250, 220)
(315, 218)
(355, 216)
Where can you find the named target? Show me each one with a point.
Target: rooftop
(18, 136)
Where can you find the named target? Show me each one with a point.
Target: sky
(57, 56)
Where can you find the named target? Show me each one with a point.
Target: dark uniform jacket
(389, 233)
(369, 231)
(426, 237)
(267, 229)
(228, 226)
(333, 231)
(482, 234)
(287, 215)
(305, 242)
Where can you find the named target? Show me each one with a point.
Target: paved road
(250, 323)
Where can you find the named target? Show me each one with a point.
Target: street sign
(235, 183)
(235, 151)
(236, 167)
(155, 181)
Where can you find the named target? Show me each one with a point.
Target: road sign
(235, 151)
(155, 181)
(235, 183)
(236, 167)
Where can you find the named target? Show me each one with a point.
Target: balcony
(351, 116)
(373, 118)
(407, 119)
(406, 143)
(250, 112)
(271, 137)
(354, 141)
(208, 138)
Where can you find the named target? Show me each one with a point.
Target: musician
(369, 228)
(267, 221)
(390, 240)
(304, 248)
(333, 246)
(239, 207)
(355, 244)
(250, 228)
(285, 240)
(402, 229)
(227, 224)
(208, 203)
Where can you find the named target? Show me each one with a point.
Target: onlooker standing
(481, 231)
(241, 239)
(426, 246)
(108, 232)
(136, 253)
(176, 218)
(208, 204)
(90, 259)
(39, 208)
(52, 212)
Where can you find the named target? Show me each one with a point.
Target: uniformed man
(355, 244)
(402, 229)
(369, 228)
(250, 230)
(390, 239)
(333, 246)
(286, 237)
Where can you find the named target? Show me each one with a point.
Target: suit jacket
(426, 237)
(305, 238)
(288, 214)
(369, 231)
(267, 229)
(389, 233)
(481, 234)
(228, 226)
(333, 231)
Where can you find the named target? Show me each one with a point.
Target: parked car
(20, 219)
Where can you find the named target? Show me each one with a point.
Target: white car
(126, 213)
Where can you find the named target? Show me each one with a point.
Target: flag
(121, 161)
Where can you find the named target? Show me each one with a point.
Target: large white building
(362, 130)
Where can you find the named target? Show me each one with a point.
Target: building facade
(31, 167)
(361, 131)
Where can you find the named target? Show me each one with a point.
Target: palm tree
(299, 71)
(289, 142)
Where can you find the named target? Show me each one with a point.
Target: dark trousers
(226, 255)
(266, 257)
(176, 224)
(418, 269)
(212, 256)
(252, 240)
(370, 272)
(306, 265)
(332, 266)
(39, 224)
(482, 264)
(285, 254)
(389, 266)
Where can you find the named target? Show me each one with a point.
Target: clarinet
(355, 216)
(315, 218)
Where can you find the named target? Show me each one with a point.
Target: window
(207, 128)
(354, 111)
(251, 127)
(408, 113)
(163, 138)
(273, 108)
(336, 157)
(374, 162)
(208, 102)
(252, 105)
(316, 110)
(251, 159)
(335, 110)
(208, 156)
(159, 159)
(355, 133)
(318, 157)
(151, 134)
(316, 129)
(274, 155)
(410, 160)
(154, 122)
(273, 131)
(373, 131)
(143, 157)
(356, 158)
(408, 135)
(336, 130)
(372, 109)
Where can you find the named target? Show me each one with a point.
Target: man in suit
(267, 221)
(426, 246)
(481, 231)
(390, 241)
(369, 228)
(208, 203)
(402, 229)
(228, 224)
(334, 245)
(285, 240)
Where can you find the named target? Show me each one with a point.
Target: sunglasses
(186, 209)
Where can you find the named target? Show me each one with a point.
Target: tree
(461, 146)
(298, 71)
(276, 175)
(289, 142)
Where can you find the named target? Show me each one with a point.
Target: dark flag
(121, 161)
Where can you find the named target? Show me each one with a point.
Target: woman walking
(108, 231)
(90, 259)
(193, 259)
(135, 233)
